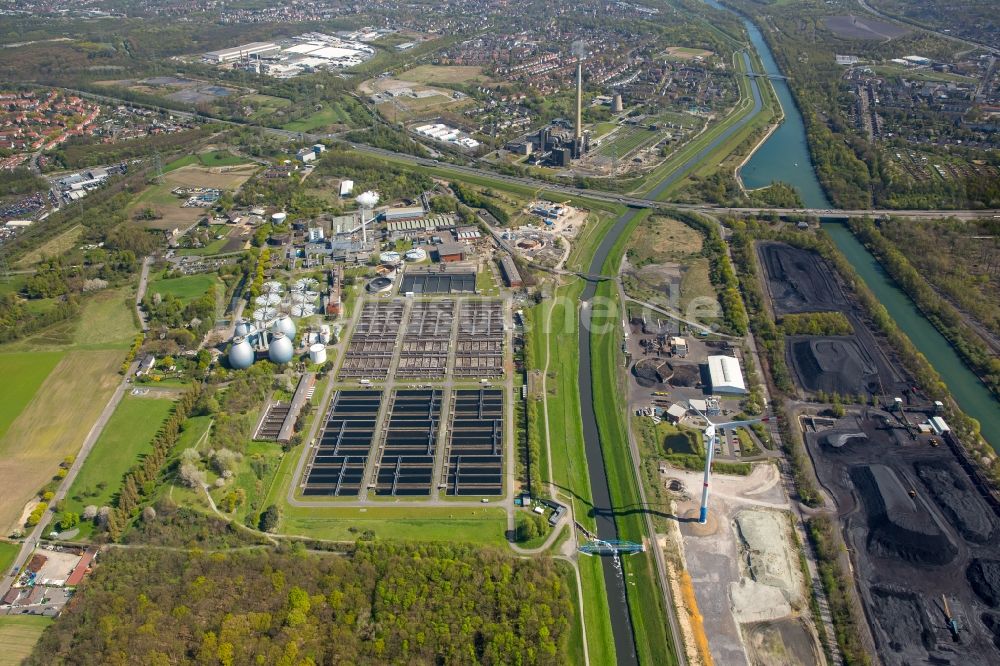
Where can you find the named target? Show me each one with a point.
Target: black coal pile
(902, 618)
(651, 372)
(984, 577)
(958, 499)
(897, 527)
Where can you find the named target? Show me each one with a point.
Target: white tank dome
(285, 325)
(416, 254)
(278, 218)
(242, 329)
(240, 354)
(280, 351)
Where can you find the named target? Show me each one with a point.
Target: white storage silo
(317, 353)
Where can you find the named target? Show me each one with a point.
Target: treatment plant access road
(599, 195)
(28, 547)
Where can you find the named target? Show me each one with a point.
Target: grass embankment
(127, 436)
(654, 644)
(18, 635)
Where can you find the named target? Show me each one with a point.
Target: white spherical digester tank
(317, 353)
(285, 325)
(280, 350)
(241, 354)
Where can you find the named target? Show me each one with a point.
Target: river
(785, 157)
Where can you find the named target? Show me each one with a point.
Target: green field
(18, 635)
(8, 553)
(128, 435)
(330, 115)
(625, 140)
(24, 373)
(186, 288)
(214, 158)
(484, 526)
(106, 321)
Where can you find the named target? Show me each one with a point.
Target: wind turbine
(711, 438)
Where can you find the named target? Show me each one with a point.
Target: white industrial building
(245, 51)
(725, 375)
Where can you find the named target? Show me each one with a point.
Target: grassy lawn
(53, 425)
(484, 526)
(8, 552)
(186, 288)
(268, 457)
(330, 115)
(625, 140)
(444, 74)
(214, 158)
(18, 635)
(128, 435)
(25, 372)
(600, 637)
(52, 247)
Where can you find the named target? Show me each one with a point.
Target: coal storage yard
(799, 280)
(919, 530)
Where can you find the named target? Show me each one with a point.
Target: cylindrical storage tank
(242, 329)
(285, 325)
(279, 218)
(240, 354)
(281, 350)
(390, 257)
(416, 254)
(317, 353)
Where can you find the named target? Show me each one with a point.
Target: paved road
(140, 293)
(36, 534)
(610, 197)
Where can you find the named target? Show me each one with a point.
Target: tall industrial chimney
(579, 103)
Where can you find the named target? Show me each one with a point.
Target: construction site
(921, 532)
(744, 563)
(383, 439)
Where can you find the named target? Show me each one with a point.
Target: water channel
(784, 156)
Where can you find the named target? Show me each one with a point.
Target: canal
(785, 157)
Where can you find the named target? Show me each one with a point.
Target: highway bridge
(568, 190)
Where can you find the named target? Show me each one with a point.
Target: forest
(960, 258)
(945, 317)
(384, 603)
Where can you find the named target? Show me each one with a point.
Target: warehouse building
(725, 375)
(403, 213)
(245, 51)
(510, 273)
